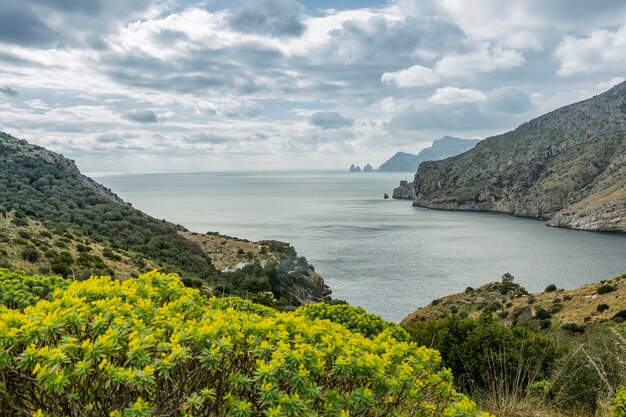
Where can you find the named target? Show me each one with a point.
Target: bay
(383, 255)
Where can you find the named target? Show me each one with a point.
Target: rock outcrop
(404, 191)
(568, 167)
(442, 148)
(368, 168)
(355, 168)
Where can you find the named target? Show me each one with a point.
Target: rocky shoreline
(567, 167)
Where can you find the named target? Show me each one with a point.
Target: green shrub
(573, 328)
(482, 352)
(557, 307)
(619, 405)
(605, 289)
(550, 288)
(18, 290)
(601, 308)
(542, 314)
(354, 318)
(30, 254)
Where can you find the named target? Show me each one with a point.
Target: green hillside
(46, 187)
(568, 166)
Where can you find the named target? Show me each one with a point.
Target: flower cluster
(619, 405)
(18, 290)
(354, 318)
(151, 347)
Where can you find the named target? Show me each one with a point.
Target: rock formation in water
(404, 191)
(568, 166)
(368, 168)
(355, 168)
(442, 148)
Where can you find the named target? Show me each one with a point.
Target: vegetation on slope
(511, 304)
(55, 220)
(556, 353)
(48, 188)
(151, 347)
(568, 166)
(28, 245)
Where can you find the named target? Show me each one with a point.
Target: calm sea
(383, 255)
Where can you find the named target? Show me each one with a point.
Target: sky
(193, 85)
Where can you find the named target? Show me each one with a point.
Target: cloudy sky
(159, 85)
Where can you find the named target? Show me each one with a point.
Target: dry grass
(579, 306)
(226, 252)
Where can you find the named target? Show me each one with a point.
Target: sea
(381, 254)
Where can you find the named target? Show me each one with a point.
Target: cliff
(568, 167)
(442, 148)
(404, 191)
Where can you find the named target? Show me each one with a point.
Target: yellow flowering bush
(18, 290)
(151, 347)
(619, 405)
(354, 318)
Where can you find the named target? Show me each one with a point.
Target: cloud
(329, 120)
(383, 38)
(447, 118)
(509, 100)
(598, 52)
(8, 91)
(456, 95)
(269, 17)
(487, 58)
(142, 116)
(523, 40)
(207, 139)
(414, 76)
(20, 25)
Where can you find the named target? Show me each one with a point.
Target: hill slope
(568, 166)
(53, 219)
(46, 187)
(510, 303)
(442, 148)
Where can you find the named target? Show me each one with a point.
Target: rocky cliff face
(442, 148)
(568, 166)
(404, 191)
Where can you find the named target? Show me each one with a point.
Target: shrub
(482, 353)
(18, 290)
(354, 318)
(542, 314)
(550, 288)
(573, 328)
(150, 346)
(601, 308)
(619, 405)
(557, 307)
(605, 289)
(30, 254)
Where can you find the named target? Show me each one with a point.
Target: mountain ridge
(567, 166)
(441, 148)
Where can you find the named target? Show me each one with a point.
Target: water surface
(383, 255)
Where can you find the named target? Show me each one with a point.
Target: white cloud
(448, 95)
(414, 76)
(486, 59)
(602, 50)
(522, 40)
